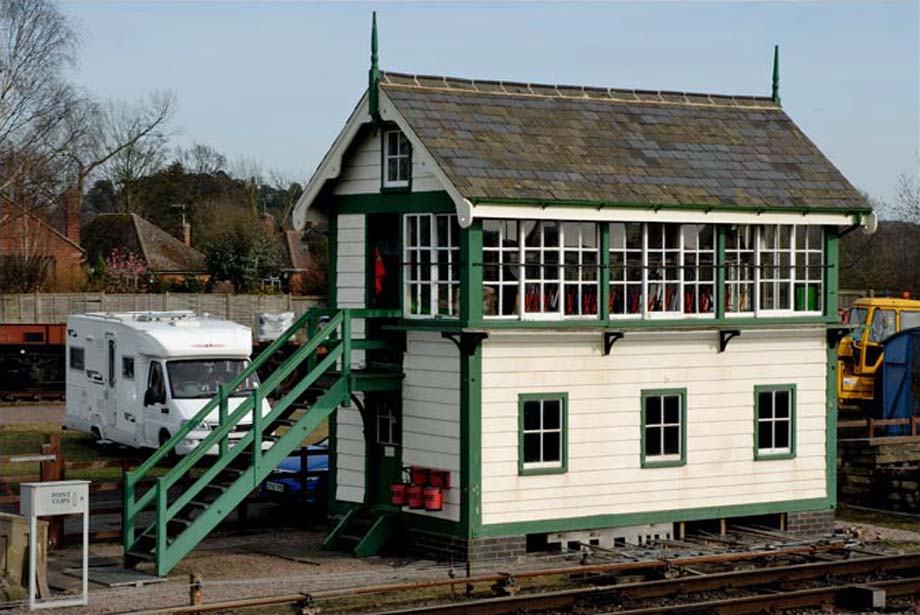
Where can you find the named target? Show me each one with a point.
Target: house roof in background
(296, 252)
(506, 141)
(162, 252)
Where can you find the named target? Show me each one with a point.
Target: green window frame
(542, 432)
(770, 421)
(656, 427)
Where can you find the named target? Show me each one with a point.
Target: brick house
(28, 241)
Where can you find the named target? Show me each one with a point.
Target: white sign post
(66, 497)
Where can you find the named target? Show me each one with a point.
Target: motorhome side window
(127, 367)
(156, 386)
(77, 358)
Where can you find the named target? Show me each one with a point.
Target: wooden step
(141, 555)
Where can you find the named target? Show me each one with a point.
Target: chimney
(185, 232)
(72, 214)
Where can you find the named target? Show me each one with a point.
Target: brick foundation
(479, 550)
(811, 523)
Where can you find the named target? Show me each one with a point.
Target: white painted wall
(431, 412)
(361, 170)
(604, 474)
(350, 285)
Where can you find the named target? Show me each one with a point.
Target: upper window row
(548, 269)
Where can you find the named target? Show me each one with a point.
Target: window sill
(397, 188)
(674, 463)
(538, 471)
(772, 456)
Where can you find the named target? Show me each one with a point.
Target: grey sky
(275, 82)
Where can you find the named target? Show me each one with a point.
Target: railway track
(777, 588)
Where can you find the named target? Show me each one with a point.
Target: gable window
(664, 425)
(774, 422)
(432, 257)
(397, 159)
(774, 269)
(542, 433)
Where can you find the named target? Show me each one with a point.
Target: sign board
(53, 498)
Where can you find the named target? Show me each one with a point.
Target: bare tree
(37, 45)
(907, 205)
(126, 138)
(132, 144)
(201, 159)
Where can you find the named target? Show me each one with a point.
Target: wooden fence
(54, 308)
(51, 466)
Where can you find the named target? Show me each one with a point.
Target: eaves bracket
(725, 336)
(611, 338)
(466, 341)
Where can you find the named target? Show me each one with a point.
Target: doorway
(384, 438)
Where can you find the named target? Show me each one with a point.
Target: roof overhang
(689, 214)
(331, 165)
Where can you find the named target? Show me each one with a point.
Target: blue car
(300, 480)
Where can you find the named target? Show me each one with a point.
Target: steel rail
(567, 598)
(563, 598)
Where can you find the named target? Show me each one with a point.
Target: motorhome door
(111, 384)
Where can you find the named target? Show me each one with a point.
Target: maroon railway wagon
(32, 361)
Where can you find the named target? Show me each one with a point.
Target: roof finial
(373, 76)
(775, 95)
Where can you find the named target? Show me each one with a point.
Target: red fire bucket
(416, 496)
(419, 476)
(434, 498)
(398, 494)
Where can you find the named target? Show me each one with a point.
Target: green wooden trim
(373, 74)
(682, 324)
(368, 264)
(470, 442)
(774, 93)
(830, 436)
(718, 294)
(433, 201)
(332, 241)
(706, 207)
(793, 427)
(383, 161)
(831, 273)
(644, 461)
(604, 294)
(471, 275)
(653, 516)
(564, 462)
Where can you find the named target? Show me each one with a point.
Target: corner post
(471, 274)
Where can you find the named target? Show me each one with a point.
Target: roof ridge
(544, 90)
(25, 212)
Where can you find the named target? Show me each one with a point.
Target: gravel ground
(24, 414)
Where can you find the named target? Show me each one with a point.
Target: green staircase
(362, 532)
(187, 504)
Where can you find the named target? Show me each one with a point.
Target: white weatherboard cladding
(350, 263)
(604, 475)
(349, 471)
(362, 167)
(431, 412)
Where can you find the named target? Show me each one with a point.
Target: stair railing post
(346, 343)
(222, 416)
(161, 521)
(311, 331)
(256, 434)
(127, 530)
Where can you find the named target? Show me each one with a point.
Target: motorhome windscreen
(200, 378)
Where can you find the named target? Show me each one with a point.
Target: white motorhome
(135, 377)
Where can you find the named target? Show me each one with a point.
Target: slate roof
(162, 252)
(502, 140)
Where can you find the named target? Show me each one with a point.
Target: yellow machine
(859, 355)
